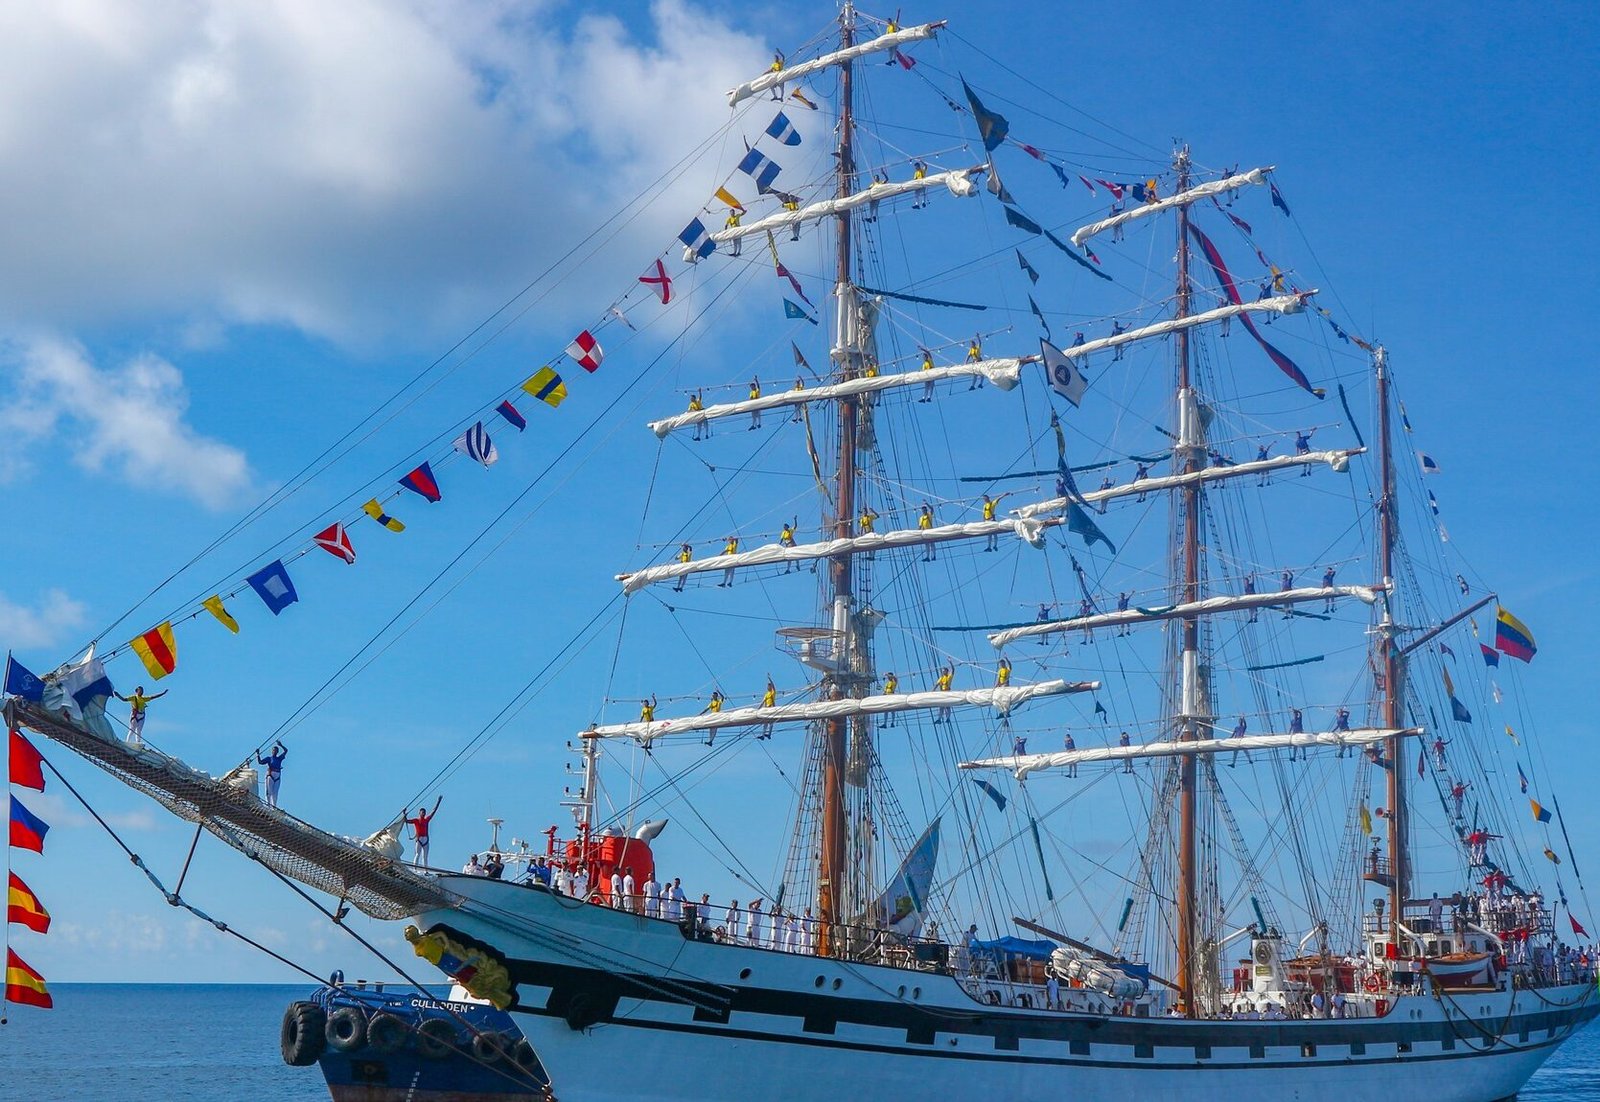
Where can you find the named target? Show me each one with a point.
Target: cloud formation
(42, 624)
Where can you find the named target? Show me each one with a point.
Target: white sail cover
(1208, 607)
(1002, 700)
(1279, 304)
(1338, 459)
(1030, 531)
(1003, 372)
(1181, 199)
(957, 182)
(893, 40)
(1024, 764)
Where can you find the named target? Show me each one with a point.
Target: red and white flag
(333, 540)
(658, 278)
(586, 351)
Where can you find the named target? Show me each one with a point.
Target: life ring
(992, 998)
(488, 1046)
(347, 1028)
(386, 1033)
(436, 1039)
(301, 1036)
(1373, 983)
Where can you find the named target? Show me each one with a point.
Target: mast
(1399, 864)
(1190, 454)
(832, 865)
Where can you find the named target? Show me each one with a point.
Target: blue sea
(219, 1043)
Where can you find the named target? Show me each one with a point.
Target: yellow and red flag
(24, 985)
(24, 908)
(158, 650)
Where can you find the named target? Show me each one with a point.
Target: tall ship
(1141, 728)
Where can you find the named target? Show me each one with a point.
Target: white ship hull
(625, 1009)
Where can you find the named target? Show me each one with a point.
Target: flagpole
(5, 987)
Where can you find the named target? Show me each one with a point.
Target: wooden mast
(831, 871)
(1190, 455)
(1393, 690)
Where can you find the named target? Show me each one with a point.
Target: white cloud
(368, 170)
(41, 625)
(118, 933)
(127, 420)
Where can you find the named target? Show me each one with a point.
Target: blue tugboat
(387, 1046)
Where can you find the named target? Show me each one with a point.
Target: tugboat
(399, 1046)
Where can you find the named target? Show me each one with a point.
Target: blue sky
(243, 229)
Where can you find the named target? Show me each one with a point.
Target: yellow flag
(1513, 735)
(547, 386)
(730, 198)
(1366, 819)
(213, 605)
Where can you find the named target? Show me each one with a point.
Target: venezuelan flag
(1511, 636)
(27, 829)
(24, 985)
(26, 763)
(158, 650)
(1541, 814)
(24, 908)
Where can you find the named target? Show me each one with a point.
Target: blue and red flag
(509, 412)
(1491, 657)
(26, 763)
(27, 829)
(1511, 636)
(421, 481)
(1284, 363)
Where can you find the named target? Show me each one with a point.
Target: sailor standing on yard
(419, 825)
(137, 704)
(942, 684)
(274, 764)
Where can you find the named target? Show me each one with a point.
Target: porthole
(820, 982)
(900, 994)
(916, 992)
(837, 983)
(744, 973)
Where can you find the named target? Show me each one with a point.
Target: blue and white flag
(87, 684)
(783, 130)
(273, 586)
(475, 444)
(696, 241)
(1065, 378)
(760, 168)
(1430, 465)
(23, 682)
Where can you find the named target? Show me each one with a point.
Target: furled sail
(1028, 530)
(1024, 764)
(1256, 176)
(1278, 304)
(1209, 606)
(1003, 372)
(1001, 699)
(777, 78)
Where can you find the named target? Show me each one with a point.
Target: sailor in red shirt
(419, 826)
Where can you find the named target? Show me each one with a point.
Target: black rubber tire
(488, 1047)
(347, 1028)
(386, 1033)
(436, 1039)
(300, 1037)
(524, 1057)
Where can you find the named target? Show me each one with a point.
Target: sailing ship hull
(622, 1008)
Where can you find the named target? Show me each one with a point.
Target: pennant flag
(992, 128)
(1540, 814)
(616, 312)
(1114, 189)
(1100, 709)
(1422, 762)
(1076, 256)
(547, 386)
(1491, 657)
(273, 586)
(997, 186)
(1032, 152)
(24, 985)
(1284, 363)
(1550, 853)
(1277, 197)
(784, 273)
(1065, 378)
(1022, 221)
(586, 351)
(475, 444)
(1430, 465)
(1087, 184)
(1433, 503)
(1078, 521)
(1240, 222)
(992, 792)
(88, 684)
(1366, 819)
(906, 60)
(697, 241)
(1022, 262)
(1034, 306)
(26, 763)
(1577, 929)
(1494, 687)
(24, 908)
(213, 604)
(1061, 174)
(1513, 735)
(158, 650)
(656, 276)
(1512, 636)
(1444, 649)
(421, 481)
(372, 509)
(511, 414)
(21, 681)
(1522, 780)
(335, 542)
(1458, 710)
(800, 98)
(27, 829)
(782, 130)
(799, 356)
(792, 309)
(760, 168)
(1404, 420)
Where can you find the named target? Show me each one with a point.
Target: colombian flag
(1512, 636)
(26, 763)
(27, 829)
(24, 908)
(158, 650)
(24, 985)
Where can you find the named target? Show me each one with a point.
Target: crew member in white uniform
(652, 897)
(616, 889)
(630, 900)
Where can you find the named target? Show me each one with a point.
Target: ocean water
(219, 1043)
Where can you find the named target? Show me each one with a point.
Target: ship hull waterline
(622, 1008)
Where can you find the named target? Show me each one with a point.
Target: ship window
(1403, 1046)
(1258, 1052)
(1308, 1049)
(838, 983)
(1079, 1048)
(916, 992)
(820, 982)
(1358, 1048)
(1202, 1052)
(1448, 1043)
(744, 973)
(1144, 1052)
(900, 994)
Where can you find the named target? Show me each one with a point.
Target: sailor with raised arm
(1122, 606)
(696, 405)
(769, 699)
(274, 764)
(1238, 732)
(1302, 446)
(1124, 740)
(685, 554)
(755, 414)
(1327, 583)
(1288, 584)
(1140, 473)
(990, 506)
(729, 547)
(1296, 727)
(419, 824)
(713, 708)
(137, 703)
(974, 354)
(1263, 453)
(1068, 744)
(919, 171)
